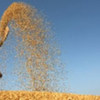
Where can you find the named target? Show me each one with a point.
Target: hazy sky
(77, 26)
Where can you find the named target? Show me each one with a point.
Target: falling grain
(35, 50)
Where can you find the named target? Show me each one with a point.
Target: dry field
(27, 95)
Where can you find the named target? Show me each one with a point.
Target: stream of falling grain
(35, 48)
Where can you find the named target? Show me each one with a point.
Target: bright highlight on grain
(36, 52)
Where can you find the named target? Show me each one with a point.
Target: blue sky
(77, 26)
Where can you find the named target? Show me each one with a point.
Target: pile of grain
(27, 95)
